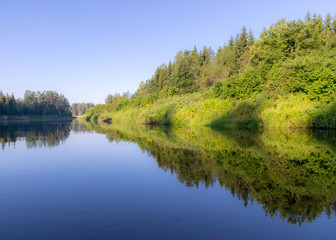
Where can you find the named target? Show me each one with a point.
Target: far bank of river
(32, 118)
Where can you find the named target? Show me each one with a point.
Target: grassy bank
(292, 111)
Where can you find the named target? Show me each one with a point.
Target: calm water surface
(73, 181)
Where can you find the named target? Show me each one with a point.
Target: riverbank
(291, 111)
(32, 118)
(285, 79)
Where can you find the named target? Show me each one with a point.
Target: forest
(79, 109)
(39, 103)
(285, 78)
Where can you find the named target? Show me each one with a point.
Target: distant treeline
(79, 109)
(45, 103)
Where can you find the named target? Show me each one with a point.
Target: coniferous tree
(46, 103)
(247, 62)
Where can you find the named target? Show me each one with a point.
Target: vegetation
(79, 109)
(290, 173)
(117, 98)
(286, 78)
(45, 103)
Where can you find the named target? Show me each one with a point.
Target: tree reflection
(290, 173)
(40, 134)
(79, 127)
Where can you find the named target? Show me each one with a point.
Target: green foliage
(109, 99)
(170, 91)
(244, 115)
(122, 104)
(187, 67)
(116, 98)
(241, 86)
(194, 70)
(292, 65)
(218, 89)
(45, 103)
(79, 109)
(327, 117)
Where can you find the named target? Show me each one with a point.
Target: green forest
(45, 103)
(79, 109)
(284, 78)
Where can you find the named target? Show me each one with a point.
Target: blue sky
(87, 49)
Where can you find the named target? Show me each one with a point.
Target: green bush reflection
(292, 174)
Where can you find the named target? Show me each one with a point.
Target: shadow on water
(244, 138)
(292, 174)
(328, 137)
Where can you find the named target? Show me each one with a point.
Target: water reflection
(79, 127)
(38, 134)
(292, 174)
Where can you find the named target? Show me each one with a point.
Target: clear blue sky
(86, 49)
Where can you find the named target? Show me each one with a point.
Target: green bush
(218, 89)
(244, 115)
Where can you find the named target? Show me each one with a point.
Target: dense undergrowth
(287, 78)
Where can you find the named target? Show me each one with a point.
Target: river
(69, 180)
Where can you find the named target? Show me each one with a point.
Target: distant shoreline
(32, 118)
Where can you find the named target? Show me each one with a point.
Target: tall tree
(109, 99)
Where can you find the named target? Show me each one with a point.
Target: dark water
(73, 181)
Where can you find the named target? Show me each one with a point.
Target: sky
(87, 49)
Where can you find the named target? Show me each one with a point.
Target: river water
(69, 180)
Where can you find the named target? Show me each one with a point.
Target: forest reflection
(292, 174)
(39, 134)
(34, 134)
